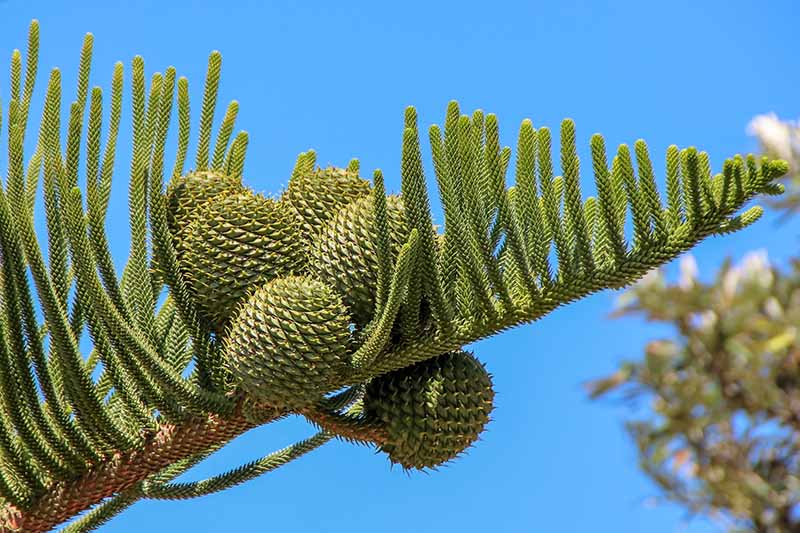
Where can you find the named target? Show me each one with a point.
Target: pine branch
(170, 444)
(70, 443)
(237, 476)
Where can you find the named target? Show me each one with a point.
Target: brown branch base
(348, 428)
(169, 444)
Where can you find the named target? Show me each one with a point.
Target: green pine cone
(318, 195)
(288, 343)
(432, 411)
(237, 242)
(186, 194)
(344, 253)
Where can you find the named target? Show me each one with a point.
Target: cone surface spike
(344, 253)
(433, 410)
(288, 343)
(318, 195)
(235, 243)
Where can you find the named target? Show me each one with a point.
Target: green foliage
(720, 436)
(382, 291)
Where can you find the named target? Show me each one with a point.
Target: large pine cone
(432, 411)
(235, 243)
(186, 194)
(317, 196)
(288, 343)
(344, 253)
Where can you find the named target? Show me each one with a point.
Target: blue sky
(336, 76)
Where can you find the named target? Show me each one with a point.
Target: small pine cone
(237, 242)
(432, 411)
(344, 253)
(317, 196)
(288, 343)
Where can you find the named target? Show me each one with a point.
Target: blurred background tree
(715, 407)
(781, 139)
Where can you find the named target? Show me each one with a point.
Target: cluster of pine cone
(289, 283)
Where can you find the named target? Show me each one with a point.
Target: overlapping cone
(318, 195)
(344, 253)
(236, 242)
(186, 194)
(288, 343)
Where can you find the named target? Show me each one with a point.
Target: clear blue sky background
(335, 76)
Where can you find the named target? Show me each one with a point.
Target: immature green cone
(288, 343)
(344, 253)
(433, 410)
(236, 242)
(318, 195)
(186, 194)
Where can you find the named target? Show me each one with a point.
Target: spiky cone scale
(186, 194)
(318, 195)
(236, 242)
(288, 342)
(344, 253)
(432, 411)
